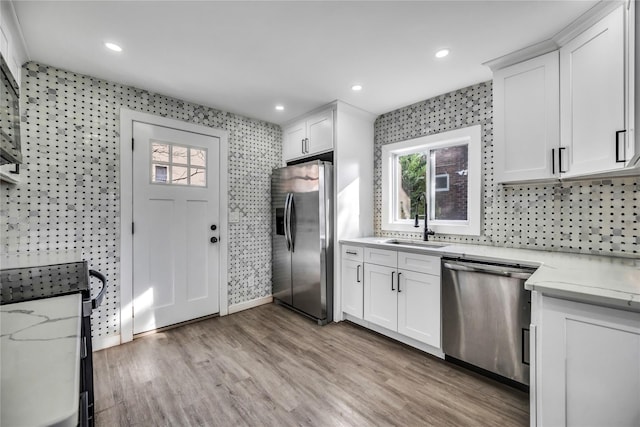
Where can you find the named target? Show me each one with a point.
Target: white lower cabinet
(587, 366)
(419, 306)
(380, 296)
(352, 280)
(352, 289)
(400, 300)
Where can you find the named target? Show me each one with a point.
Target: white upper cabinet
(569, 112)
(592, 98)
(320, 132)
(526, 126)
(293, 141)
(308, 137)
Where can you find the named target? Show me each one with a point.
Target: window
(178, 165)
(441, 169)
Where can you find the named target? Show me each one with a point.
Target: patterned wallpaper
(69, 198)
(599, 216)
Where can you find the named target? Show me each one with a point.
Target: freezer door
(281, 264)
(308, 229)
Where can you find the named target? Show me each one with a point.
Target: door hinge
(132, 227)
(131, 144)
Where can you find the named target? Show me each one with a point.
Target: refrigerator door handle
(287, 237)
(292, 236)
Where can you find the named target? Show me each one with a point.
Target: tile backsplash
(598, 216)
(69, 197)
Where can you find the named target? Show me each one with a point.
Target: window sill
(466, 229)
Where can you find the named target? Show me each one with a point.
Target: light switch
(234, 216)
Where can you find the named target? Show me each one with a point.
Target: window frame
(171, 163)
(470, 136)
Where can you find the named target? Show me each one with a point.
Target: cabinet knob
(214, 240)
(214, 227)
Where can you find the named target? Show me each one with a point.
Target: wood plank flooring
(269, 366)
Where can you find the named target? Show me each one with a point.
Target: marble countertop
(602, 280)
(40, 362)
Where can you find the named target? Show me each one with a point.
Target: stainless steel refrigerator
(302, 247)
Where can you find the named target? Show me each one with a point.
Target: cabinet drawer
(381, 257)
(418, 262)
(354, 253)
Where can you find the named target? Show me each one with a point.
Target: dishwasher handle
(516, 273)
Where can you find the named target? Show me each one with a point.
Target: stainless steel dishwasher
(486, 314)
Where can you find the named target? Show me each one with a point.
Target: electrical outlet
(234, 216)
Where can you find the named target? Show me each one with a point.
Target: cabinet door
(380, 296)
(526, 102)
(320, 132)
(589, 365)
(592, 97)
(419, 306)
(293, 141)
(352, 289)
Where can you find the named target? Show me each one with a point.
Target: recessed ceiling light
(113, 47)
(356, 88)
(280, 107)
(442, 53)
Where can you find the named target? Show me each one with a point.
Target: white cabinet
(587, 367)
(402, 300)
(592, 97)
(293, 141)
(526, 103)
(569, 112)
(352, 276)
(381, 296)
(310, 136)
(419, 306)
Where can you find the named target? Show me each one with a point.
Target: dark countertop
(32, 283)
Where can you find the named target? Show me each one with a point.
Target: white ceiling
(246, 57)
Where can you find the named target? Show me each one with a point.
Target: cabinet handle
(553, 161)
(352, 253)
(358, 274)
(399, 282)
(307, 145)
(393, 273)
(302, 141)
(560, 159)
(618, 159)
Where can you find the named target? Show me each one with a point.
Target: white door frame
(127, 117)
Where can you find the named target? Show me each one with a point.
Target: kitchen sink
(416, 243)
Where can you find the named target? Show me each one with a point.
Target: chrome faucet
(427, 231)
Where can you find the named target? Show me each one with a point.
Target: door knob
(214, 227)
(214, 240)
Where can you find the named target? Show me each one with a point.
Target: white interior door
(175, 206)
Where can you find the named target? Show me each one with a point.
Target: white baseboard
(250, 304)
(396, 336)
(100, 343)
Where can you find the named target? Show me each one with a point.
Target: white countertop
(40, 362)
(594, 279)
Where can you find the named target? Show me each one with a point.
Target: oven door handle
(514, 272)
(95, 303)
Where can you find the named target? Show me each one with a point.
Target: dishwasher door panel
(486, 320)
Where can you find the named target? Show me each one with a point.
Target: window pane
(412, 182)
(159, 173)
(198, 157)
(159, 152)
(179, 154)
(179, 175)
(198, 177)
(450, 183)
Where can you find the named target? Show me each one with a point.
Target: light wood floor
(271, 367)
